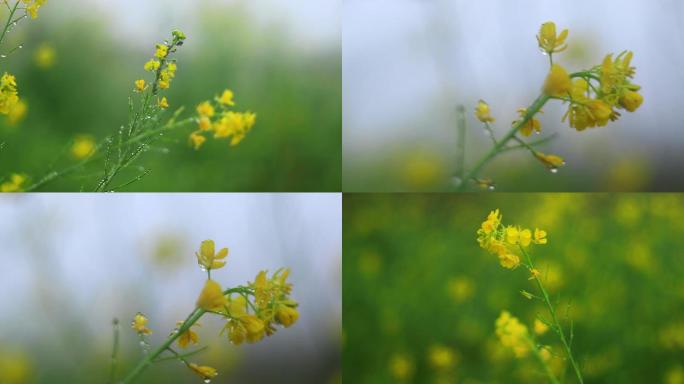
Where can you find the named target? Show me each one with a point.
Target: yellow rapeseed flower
(140, 85)
(83, 147)
(32, 7)
(540, 327)
(152, 65)
(534, 274)
(557, 82)
(226, 98)
(205, 109)
(163, 103)
(525, 237)
(286, 315)
(483, 113)
(196, 140)
(188, 336)
(208, 259)
(548, 41)
(162, 51)
(17, 112)
(211, 298)
(532, 125)
(207, 373)
(551, 162)
(509, 260)
(631, 101)
(14, 184)
(512, 235)
(243, 326)
(512, 334)
(139, 324)
(539, 236)
(8, 93)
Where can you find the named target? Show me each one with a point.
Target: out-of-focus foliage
(421, 298)
(76, 78)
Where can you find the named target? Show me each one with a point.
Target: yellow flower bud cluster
(162, 66)
(217, 118)
(504, 241)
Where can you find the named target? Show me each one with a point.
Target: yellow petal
(207, 248)
(222, 253)
(211, 298)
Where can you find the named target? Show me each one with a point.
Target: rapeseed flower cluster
(9, 96)
(218, 119)
(32, 7)
(594, 96)
(162, 66)
(504, 241)
(513, 334)
(251, 312)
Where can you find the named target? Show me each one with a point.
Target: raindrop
(14, 24)
(20, 46)
(456, 181)
(491, 187)
(143, 343)
(3, 56)
(553, 170)
(207, 381)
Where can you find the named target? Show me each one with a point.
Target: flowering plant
(594, 97)
(511, 244)
(251, 312)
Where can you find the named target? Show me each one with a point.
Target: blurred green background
(420, 297)
(280, 66)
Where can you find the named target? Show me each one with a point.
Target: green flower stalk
(594, 98)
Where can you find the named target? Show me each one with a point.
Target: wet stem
(171, 125)
(152, 357)
(8, 24)
(500, 146)
(554, 318)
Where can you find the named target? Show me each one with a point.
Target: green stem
(531, 111)
(460, 141)
(98, 156)
(9, 21)
(189, 321)
(554, 318)
(547, 369)
(115, 352)
(149, 359)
